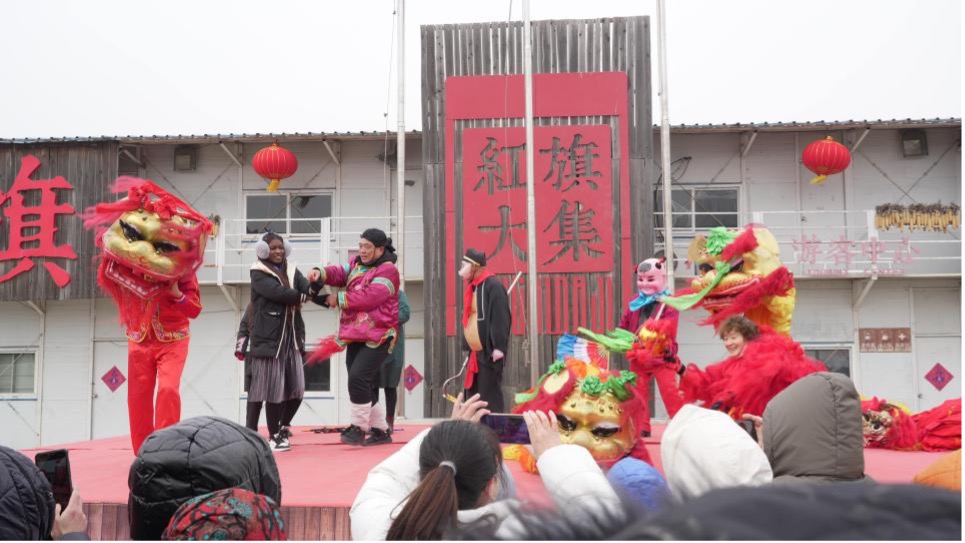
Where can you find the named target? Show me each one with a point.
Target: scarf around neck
(643, 300)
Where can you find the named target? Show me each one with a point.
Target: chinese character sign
(574, 191)
(31, 229)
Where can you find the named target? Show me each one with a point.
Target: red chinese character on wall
(574, 207)
(31, 228)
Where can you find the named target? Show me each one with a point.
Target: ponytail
(457, 462)
(431, 509)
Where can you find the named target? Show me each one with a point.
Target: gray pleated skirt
(275, 380)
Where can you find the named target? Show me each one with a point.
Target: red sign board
(582, 193)
(574, 197)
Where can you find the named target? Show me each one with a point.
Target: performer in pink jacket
(368, 327)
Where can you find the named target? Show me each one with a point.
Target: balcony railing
(843, 244)
(828, 244)
(229, 256)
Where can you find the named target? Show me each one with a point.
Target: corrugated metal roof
(878, 124)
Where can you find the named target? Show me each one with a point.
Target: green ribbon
(615, 341)
(687, 301)
(718, 238)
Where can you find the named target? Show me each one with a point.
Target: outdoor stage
(320, 477)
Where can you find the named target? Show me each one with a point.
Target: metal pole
(531, 294)
(665, 142)
(400, 163)
(400, 146)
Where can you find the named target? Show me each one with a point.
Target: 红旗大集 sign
(31, 228)
(573, 191)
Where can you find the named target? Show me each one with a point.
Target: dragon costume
(597, 409)
(151, 245)
(890, 425)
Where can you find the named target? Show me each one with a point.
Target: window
(837, 359)
(17, 373)
(287, 213)
(700, 208)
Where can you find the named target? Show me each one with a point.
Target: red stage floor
(319, 474)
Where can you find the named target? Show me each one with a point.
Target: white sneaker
(279, 444)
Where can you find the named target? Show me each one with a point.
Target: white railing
(229, 255)
(840, 244)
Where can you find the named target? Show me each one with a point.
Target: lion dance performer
(889, 425)
(151, 245)
(596, 409)
(741, 273)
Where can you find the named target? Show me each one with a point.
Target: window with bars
(837, 359)
(700, 208)
(17, 372)
(290, 213)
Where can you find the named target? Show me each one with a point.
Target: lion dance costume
(889, 425)
(151, 241)
(596, 409)
(741, 273)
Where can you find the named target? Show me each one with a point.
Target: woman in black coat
(277, 341)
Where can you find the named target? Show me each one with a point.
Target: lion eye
(131, 233)
(605, 431)
(565, 423)
(165, 247)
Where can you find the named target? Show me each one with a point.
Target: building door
(110, 406)
(936, 346)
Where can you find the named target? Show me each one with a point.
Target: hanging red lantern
(825, 157)
(274, 163)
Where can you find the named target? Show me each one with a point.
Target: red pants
(151, 362)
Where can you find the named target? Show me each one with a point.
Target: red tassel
(744, 243)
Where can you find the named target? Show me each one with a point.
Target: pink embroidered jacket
(370, 301)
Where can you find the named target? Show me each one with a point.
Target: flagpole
(665, 142)
(531, 258)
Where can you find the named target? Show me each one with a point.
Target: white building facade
(53, 354)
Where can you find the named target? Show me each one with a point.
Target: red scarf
(473, 364)
(470, 291)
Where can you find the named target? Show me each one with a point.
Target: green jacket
(392, 368)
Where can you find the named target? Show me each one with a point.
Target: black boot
(390, 420)
(378, 437)
(353, 435)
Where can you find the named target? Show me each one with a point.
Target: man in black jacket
(486, 324)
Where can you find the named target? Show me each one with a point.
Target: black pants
(488, 383)
(364, 364)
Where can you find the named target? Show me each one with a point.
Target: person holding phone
(459, 462)
(28, 510)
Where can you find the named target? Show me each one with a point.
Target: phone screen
(509, 428)
(56, 468)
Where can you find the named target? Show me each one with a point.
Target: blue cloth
(640, 482)
(642, 300)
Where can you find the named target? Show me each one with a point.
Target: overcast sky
(85, 68)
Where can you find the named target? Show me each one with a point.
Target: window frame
(846, 347)
(33, 394)
(692, 230)
(288, 211)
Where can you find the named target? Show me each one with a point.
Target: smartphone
(55, 466)
(748, 426)
(509, 428)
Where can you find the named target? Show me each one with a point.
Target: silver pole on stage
(531, 294)
(665, 142)
(400, 162)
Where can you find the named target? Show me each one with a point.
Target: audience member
(448, 476)
(196, 456)
(703, 450)
(640, 483)
(945, 473)
(812, 431)
(232, 514)
(27, 508)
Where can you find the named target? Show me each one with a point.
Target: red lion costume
(891, 426)
(152, 244)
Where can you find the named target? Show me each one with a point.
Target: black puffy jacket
(194, 457)
(26, 502)
(276, 309)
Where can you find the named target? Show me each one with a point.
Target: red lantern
(275, 163)
(825, 157)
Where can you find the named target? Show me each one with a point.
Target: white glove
(498, 355)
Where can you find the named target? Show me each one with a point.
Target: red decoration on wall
(939, 377)
(274, 163)
(825, 157)
(113, 379)
(31, 229)
(411, 377)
